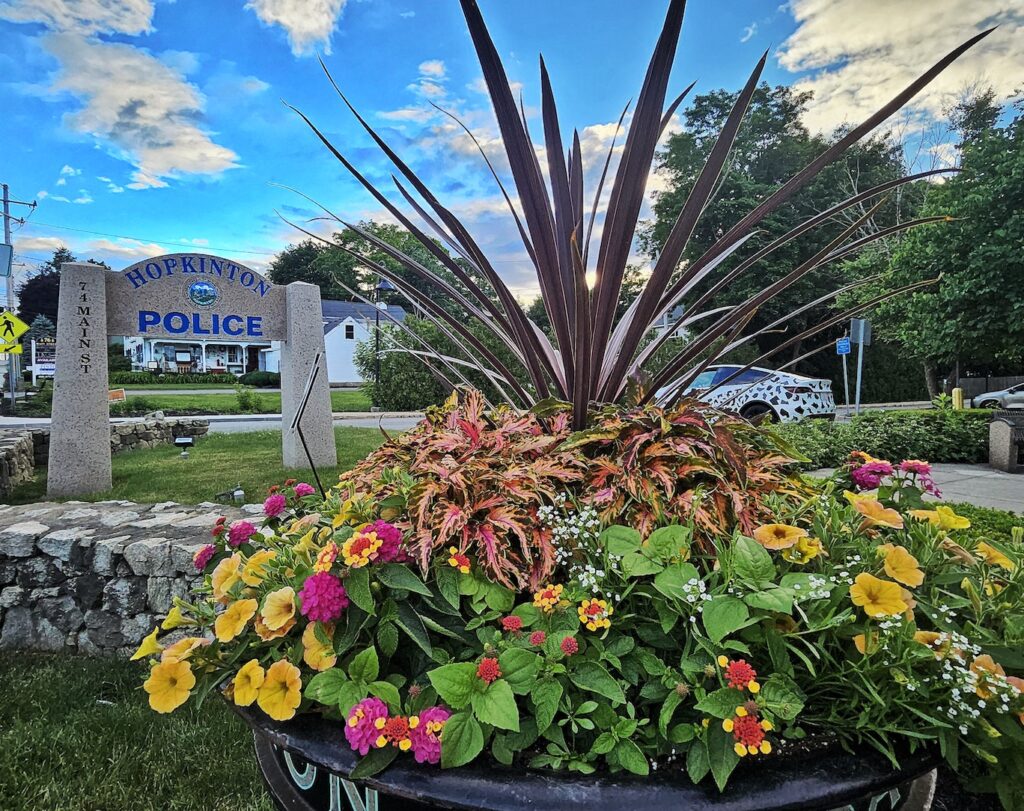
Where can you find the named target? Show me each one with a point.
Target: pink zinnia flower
(274, 505)
(360, 731)
(915, 466)
(239, 532)
(303, 489)
(870, 475)
(390, 542)
(323, 597)
(426, 735)
(203, 556)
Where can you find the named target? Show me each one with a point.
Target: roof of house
(337, 312)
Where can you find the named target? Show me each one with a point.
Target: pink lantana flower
(239, 532)
(323, 597)
(303, 489)
(390, 536)
(360, 731)
(274, 505)
(426, 735)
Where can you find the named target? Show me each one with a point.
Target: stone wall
(23, 450)
(95, 578)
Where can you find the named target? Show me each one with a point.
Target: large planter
(305, 763)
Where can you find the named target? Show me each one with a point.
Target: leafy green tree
(316, 263)
(771, 146)
(975, 313)
(38, 294)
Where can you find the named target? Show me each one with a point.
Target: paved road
(975, 484)
(230, 424)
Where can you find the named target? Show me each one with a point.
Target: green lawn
(173, 386)
(76, 734)
(216, 462)
(227, 403)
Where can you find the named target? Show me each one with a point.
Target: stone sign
(191, 297)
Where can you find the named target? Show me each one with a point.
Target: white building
(346, 323)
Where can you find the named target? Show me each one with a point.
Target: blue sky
(147, 123)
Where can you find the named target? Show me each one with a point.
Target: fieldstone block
(79, 513)
(42, 594)
(125, 595)
(60, 543)
(47, 636)
(133, 629)
(104, 629)
(38, 573)
(158, 590)
(151, 556)
(19, 630)
(118, 517)
(86, 646)
(160, 520)
(61, 612)
(88, 589)
(19, 540)
(182, 557)
(104, 552)
(8, 572)
(12, 596)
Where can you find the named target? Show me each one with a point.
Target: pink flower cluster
(323, 597)
(274, 505)
(303, 489)
(201, 558)
(239, 532)
(869, 475)
(360, 731)
(368, 720)
(426, 736)
(390, 536)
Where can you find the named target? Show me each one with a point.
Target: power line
(145, 239)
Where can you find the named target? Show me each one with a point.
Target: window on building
(233, 356)
(350, 332)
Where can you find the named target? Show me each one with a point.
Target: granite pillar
(305, 331)
(79, 459)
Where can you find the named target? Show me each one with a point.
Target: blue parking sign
(843, 346)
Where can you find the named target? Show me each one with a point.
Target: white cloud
(31, 244)
(860, 53)
(70, 171)
(61, 181)
(84, 198)
(42, 195)
(419, 114)
(124, 248)
(141, 108)
(82, 16)
(59, 198)
(434, 68)
(308, 23)
(407, 14)
(749, 32)
(185, 62)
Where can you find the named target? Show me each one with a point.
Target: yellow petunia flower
(183, 649)
(232, 620)
(547, 598)
(278, 608)
(255, 568)
(281, 691)
(877, 515)
(864, 644)
(942, 517)
(993, 557)
(940, 643)
(169, 685)
(901, 566)
(225, 576)
(247, 683)
(989, 672)
(805, 550)
(149, 646)
(778, 536)
(594, 614)
(853, 498)
(264, 633)
(174, 619)
(877, 597)
(316, 654)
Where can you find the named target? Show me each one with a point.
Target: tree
(771, 146)
(316, 263)
(39, 293)
(975, 313)
(41, 327)
(632, 284)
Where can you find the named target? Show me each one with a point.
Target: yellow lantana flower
(278, 608)
(183, 649)
(360, 549)
(230, 622)
(326, 557)
(149, 646)
(281, 691)
(994, 557)
(255, 568)
(877, 597)
(806, 550)
(247, 683)
(877, 515)
(457, 560)
(225, 576)
(778, 536)
(901, 566)
(547, 598)
(942, 517)
(594, 614)
(168, 685)
(318, 655)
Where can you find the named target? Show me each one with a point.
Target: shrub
(936, 435)
(151, 379)
(263, 380)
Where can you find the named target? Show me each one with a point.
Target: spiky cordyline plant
(593, 355)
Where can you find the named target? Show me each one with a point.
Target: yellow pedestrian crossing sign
(11, 328)
(11, 349)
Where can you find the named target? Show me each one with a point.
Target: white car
(779, 396)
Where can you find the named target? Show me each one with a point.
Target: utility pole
(12, 359)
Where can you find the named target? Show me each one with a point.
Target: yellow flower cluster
(594, 614)
(548, 598)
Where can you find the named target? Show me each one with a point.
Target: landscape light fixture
(184, 442)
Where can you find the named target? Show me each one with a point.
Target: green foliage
(935, 435)
(260, 379)
(117, 360)
(122, 378)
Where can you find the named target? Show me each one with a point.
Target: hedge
(151, 379)
(935, 436)
(261, 379)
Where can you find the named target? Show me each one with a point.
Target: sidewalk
(392, 420)
(974, 484)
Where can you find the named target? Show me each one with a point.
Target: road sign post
(860, 334)
(11, 329)
(843, 350)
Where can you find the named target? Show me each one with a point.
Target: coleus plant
(594, 356)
